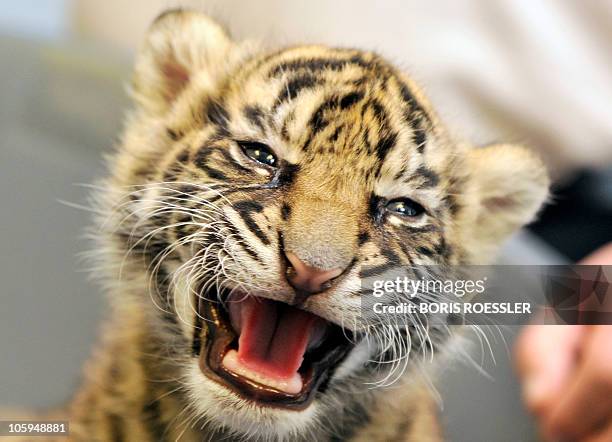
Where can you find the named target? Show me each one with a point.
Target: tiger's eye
(259, 152)
(405, 207)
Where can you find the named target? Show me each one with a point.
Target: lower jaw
(218, 338)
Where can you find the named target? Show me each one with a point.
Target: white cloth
(534, 71)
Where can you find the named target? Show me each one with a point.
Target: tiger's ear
(511, 184)
(178, 46)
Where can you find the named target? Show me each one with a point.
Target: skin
(566, 371)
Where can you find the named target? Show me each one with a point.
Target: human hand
(566, 371)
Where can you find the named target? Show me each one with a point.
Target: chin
(220, 405)
(266, 368)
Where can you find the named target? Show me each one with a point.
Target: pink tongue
(273, 337)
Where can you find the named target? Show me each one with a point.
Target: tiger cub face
(253, 189)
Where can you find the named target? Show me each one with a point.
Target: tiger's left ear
(178, 46)
(511, 184)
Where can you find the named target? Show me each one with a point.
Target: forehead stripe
(318, 64)
(318, 122)
(217, 115)
(385, 144)
(350, 99)
(255, 115)
(295, 85)
(428, 177)
(416, 116)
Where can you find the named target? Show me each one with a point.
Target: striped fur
(184, 211)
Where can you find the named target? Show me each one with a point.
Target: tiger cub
(250, 192)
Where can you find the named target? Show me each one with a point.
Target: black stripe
(375, 207)
(185, 226)
(245, 209)
(419, 135)
(230, 160)
(384, 145)
(366, 137)
(173, 135)
(203, 154)
(284, 176)
(183, 156)
(430, 178)
(294, 86)
(115, 372)
(400, 173)
(424, 229)
(188, 189)
(244, 245)
(443, 248)
(153, 420)
(202, 158)
(150, 251)
(217, 115)
(255, 115)
(350, 99)
(334, 137)
(247, 205)
(363, 238)
(163, 286)
(376, 270)
(215, 174)
(318, 64)
(287, 174)
(171, 174)
(285, 211)
(415, 116)
(214, 198)
(411, 102)
(379, 111)
(404, 248)
(116, 427)
(285, 128)
(318, 122)
(452, 204)
(391, 256)
(425, 251)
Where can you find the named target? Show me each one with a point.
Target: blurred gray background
(62, 74)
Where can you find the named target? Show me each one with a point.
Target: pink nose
(308, 279)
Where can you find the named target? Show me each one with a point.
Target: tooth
(232, 363)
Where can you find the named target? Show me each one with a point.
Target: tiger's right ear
(179, 46)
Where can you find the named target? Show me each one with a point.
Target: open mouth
(268, 351)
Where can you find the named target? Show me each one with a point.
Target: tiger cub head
(251, 191)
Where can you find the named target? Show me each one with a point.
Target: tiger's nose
(306, 279)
